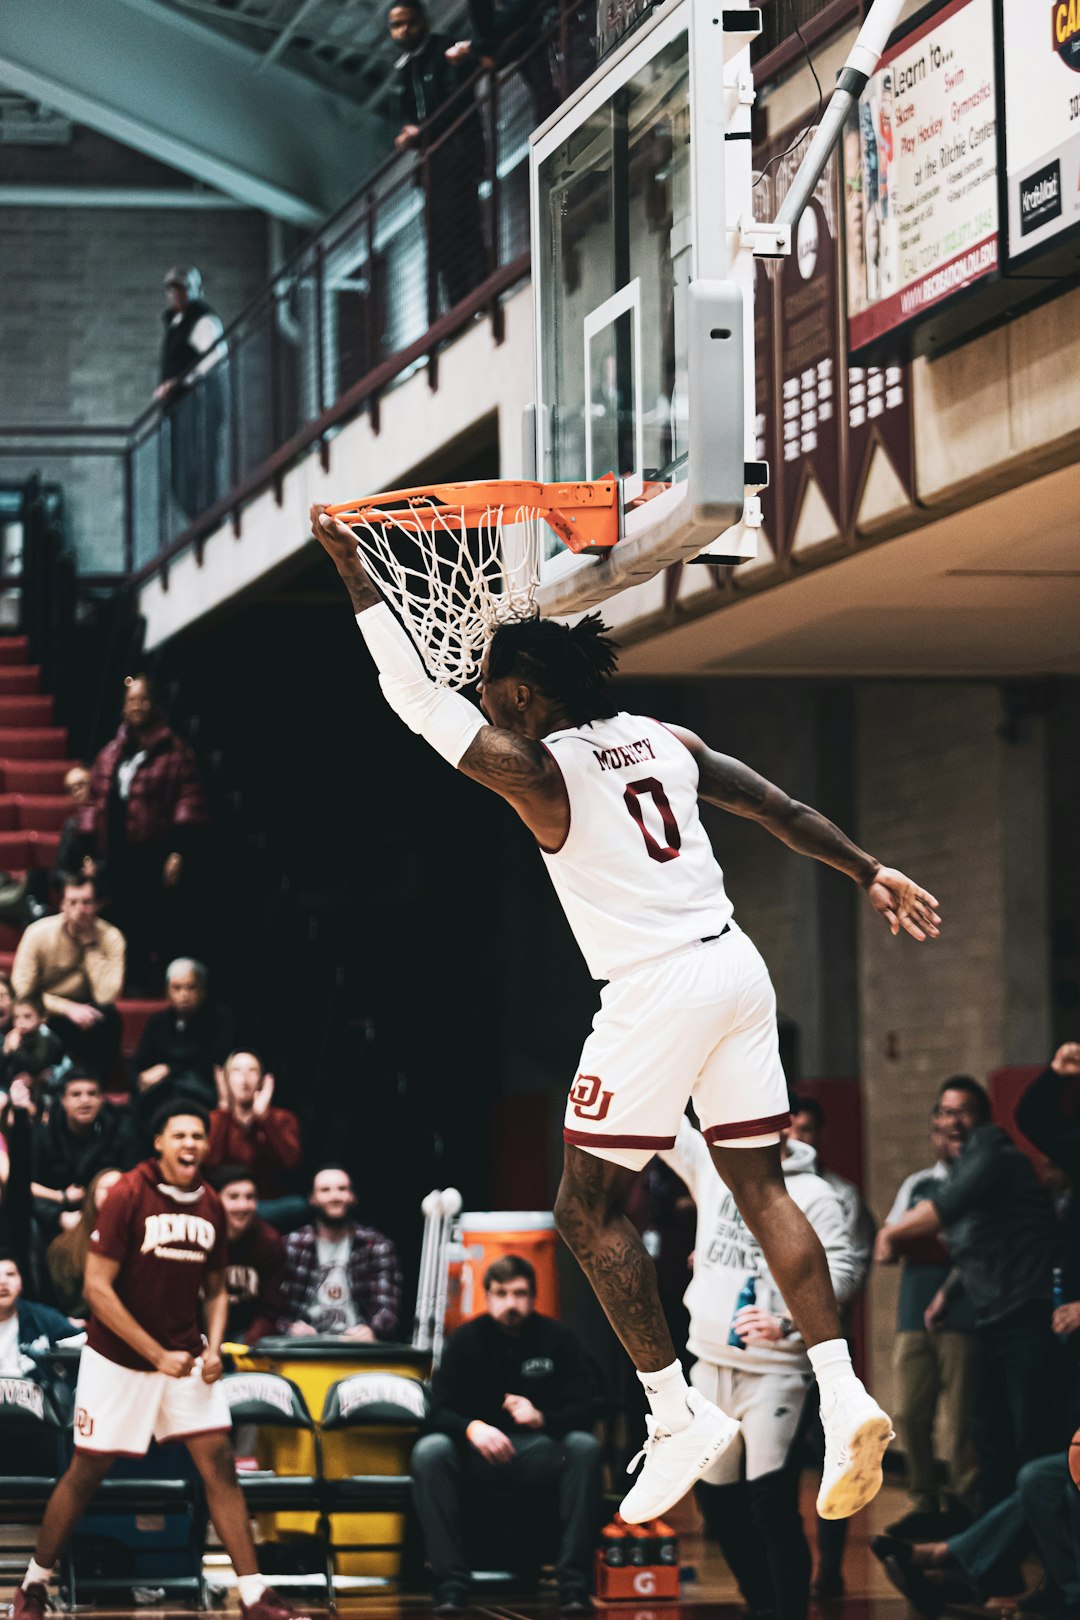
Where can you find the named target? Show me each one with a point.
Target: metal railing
(428, 243)
(778, 46)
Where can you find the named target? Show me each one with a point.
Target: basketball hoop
(454, 561)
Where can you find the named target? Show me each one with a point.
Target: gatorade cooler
(485, 1236)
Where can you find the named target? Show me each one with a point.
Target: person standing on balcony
(146, 806)
(509, 30)
(191, 392)
(440, 121)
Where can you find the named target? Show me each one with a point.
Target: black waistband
(708, 939)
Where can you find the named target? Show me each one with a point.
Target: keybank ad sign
(1042, 119)
(924, 164)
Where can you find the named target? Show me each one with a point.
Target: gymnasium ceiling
(282, 105)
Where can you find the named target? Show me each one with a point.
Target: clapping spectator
(248, 1131)
(65, 1258)
(255, 1258)
(75, 964)
(1000, 1229)
(31, 1051)
(439, 118)
(183, 1048)
(145, 808)
(340, 1277)
(84, 1134)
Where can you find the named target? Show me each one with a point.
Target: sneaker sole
(694, 1471)
(862, 1481)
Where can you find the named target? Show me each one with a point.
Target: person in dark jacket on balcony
(440, 121)
(192, 392)
(509, 30)
(512, 1409)
(146, 808)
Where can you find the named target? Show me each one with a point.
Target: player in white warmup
(688, 1009)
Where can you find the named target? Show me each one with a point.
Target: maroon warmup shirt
(165, 1245)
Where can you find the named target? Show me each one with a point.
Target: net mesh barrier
(452, 574)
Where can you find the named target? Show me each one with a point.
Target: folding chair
(291, 1481)
(373, 1418)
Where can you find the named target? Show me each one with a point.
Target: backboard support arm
(773, 240)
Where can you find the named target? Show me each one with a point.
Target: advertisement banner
(923, 160)
(1042, 124)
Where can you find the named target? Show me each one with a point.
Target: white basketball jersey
(636, 875)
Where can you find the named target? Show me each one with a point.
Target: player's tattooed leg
(589, 1211)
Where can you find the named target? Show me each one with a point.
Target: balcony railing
(429, 242)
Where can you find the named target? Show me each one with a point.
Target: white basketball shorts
(699, 1023)
(769, 1407)
(120, 1410)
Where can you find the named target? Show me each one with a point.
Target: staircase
(33, 803)
(33, 764)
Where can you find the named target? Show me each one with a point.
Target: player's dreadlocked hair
(570, 664)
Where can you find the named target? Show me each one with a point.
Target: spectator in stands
(191, 359)
(75, 964)
(26, 1328)
(439, 119)
(183, 1048)
(255, 1259)
(76, 854)
(145, 810)
(31, 1049)
(513, 1407)
(7, 1002)
(503, 32)
(65, 1258)
(84, 1134)
(750, 1496)
(340, 1278)
(17, 1118)
(1001, 1232)
(932, 1369)
(265, 1140)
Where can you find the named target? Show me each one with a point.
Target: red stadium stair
(33, 804)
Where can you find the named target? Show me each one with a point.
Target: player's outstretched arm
(515, 767)
(731, 785)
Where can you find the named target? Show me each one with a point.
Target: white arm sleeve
(445, 719)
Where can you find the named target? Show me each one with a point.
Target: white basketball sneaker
(674, 1461)
(857, 1432)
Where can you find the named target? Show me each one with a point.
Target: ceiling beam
(164, 197)
(159, 82)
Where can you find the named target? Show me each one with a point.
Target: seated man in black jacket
(512, 1409)
(183, 1048)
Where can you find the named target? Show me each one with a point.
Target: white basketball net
(451, 585)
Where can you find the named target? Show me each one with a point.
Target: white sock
(251, 1587)
(831, 1361)
(37, 1574)
(667, 1391)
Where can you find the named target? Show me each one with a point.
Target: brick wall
(81, 296)
(928, 793)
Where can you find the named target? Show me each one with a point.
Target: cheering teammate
(688, 1009)
(147, 1371)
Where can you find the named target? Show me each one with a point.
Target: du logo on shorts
(590, 1102)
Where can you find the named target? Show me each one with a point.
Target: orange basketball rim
(584, 515)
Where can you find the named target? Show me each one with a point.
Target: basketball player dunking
(687, 1011)
(149, 1371)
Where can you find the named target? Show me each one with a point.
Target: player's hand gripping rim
(903, 904)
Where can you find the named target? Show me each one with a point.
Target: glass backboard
(629, 181)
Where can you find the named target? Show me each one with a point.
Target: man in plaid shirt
(340, 1278)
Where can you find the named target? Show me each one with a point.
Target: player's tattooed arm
(523, 772)
(733, 786)
(339, 543)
